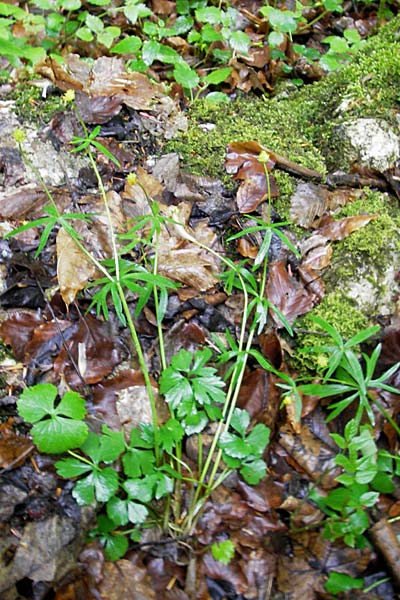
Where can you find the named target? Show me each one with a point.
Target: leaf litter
(72, 348)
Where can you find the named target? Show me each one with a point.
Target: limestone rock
(372, 143)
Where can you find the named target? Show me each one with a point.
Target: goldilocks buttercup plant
(149, 487)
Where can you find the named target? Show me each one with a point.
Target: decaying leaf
(288, 294)
(242, 161)
(74, 269)
(124, 579)
(180, 258)
(92, 348)
(105, 77)
(311, 454)
(14, 447)
(310, 202)
(342, 228)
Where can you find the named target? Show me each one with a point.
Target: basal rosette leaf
(58, 434)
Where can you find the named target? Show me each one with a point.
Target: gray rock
(372, 143)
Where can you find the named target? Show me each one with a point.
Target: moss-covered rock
(306, 126)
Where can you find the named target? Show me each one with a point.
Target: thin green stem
(143, 368)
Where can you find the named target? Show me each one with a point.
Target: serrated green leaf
(239, 41)
(117, 511)
(254, 471)
(240, 421)
(258, 438)
(223, 551)
(83, 491)
(71, 467)
(138, 462)
(115, 546)
(106, 484)
(140, 489)
(170, 434)
(112, 444)
(36, 402)
(186, 76)
(72, 405)
(209, 14)
(59, 434)
(233, 445)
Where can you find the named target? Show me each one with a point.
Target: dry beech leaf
(92, 345)
(338, 230)
(288, 294)
(74, 269)
(105, 77)
(182, 260)
(242, 162)
(14, 448)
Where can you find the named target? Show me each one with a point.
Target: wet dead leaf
(288, 294)
(105, 77)
(74, 269)
(94, 350)
(14, 448)
(124, 579)
(242, 162)
(314, 456)
(342, 228)
(182, 260)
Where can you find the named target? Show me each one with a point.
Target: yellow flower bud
(132, 179)
(19, 135)
(69, 96)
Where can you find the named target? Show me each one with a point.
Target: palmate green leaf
(101, 485)
(56, 428)
(71, 467)
(138, 462)
(58, 434)
(253, 472)
(36, 402)
(104, 448)
(170, 434)
(223, 551)
(122, 512)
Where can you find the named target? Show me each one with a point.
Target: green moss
(32, 107)
(212, 126)
(304, 126)
(339, 311)
(373, 245)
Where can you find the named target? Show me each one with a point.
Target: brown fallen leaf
(14, 447)
(125, 580)
(74, 269)
(342, 228)
(242, 162)
(94, 350)
(105, 77)
(288, 294)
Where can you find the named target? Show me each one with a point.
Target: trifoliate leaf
(164, 486)
(140, 489)
(101, 485)
(170, 434)
(233, 445)
(122, 512)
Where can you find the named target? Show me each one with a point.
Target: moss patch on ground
(303, 126)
